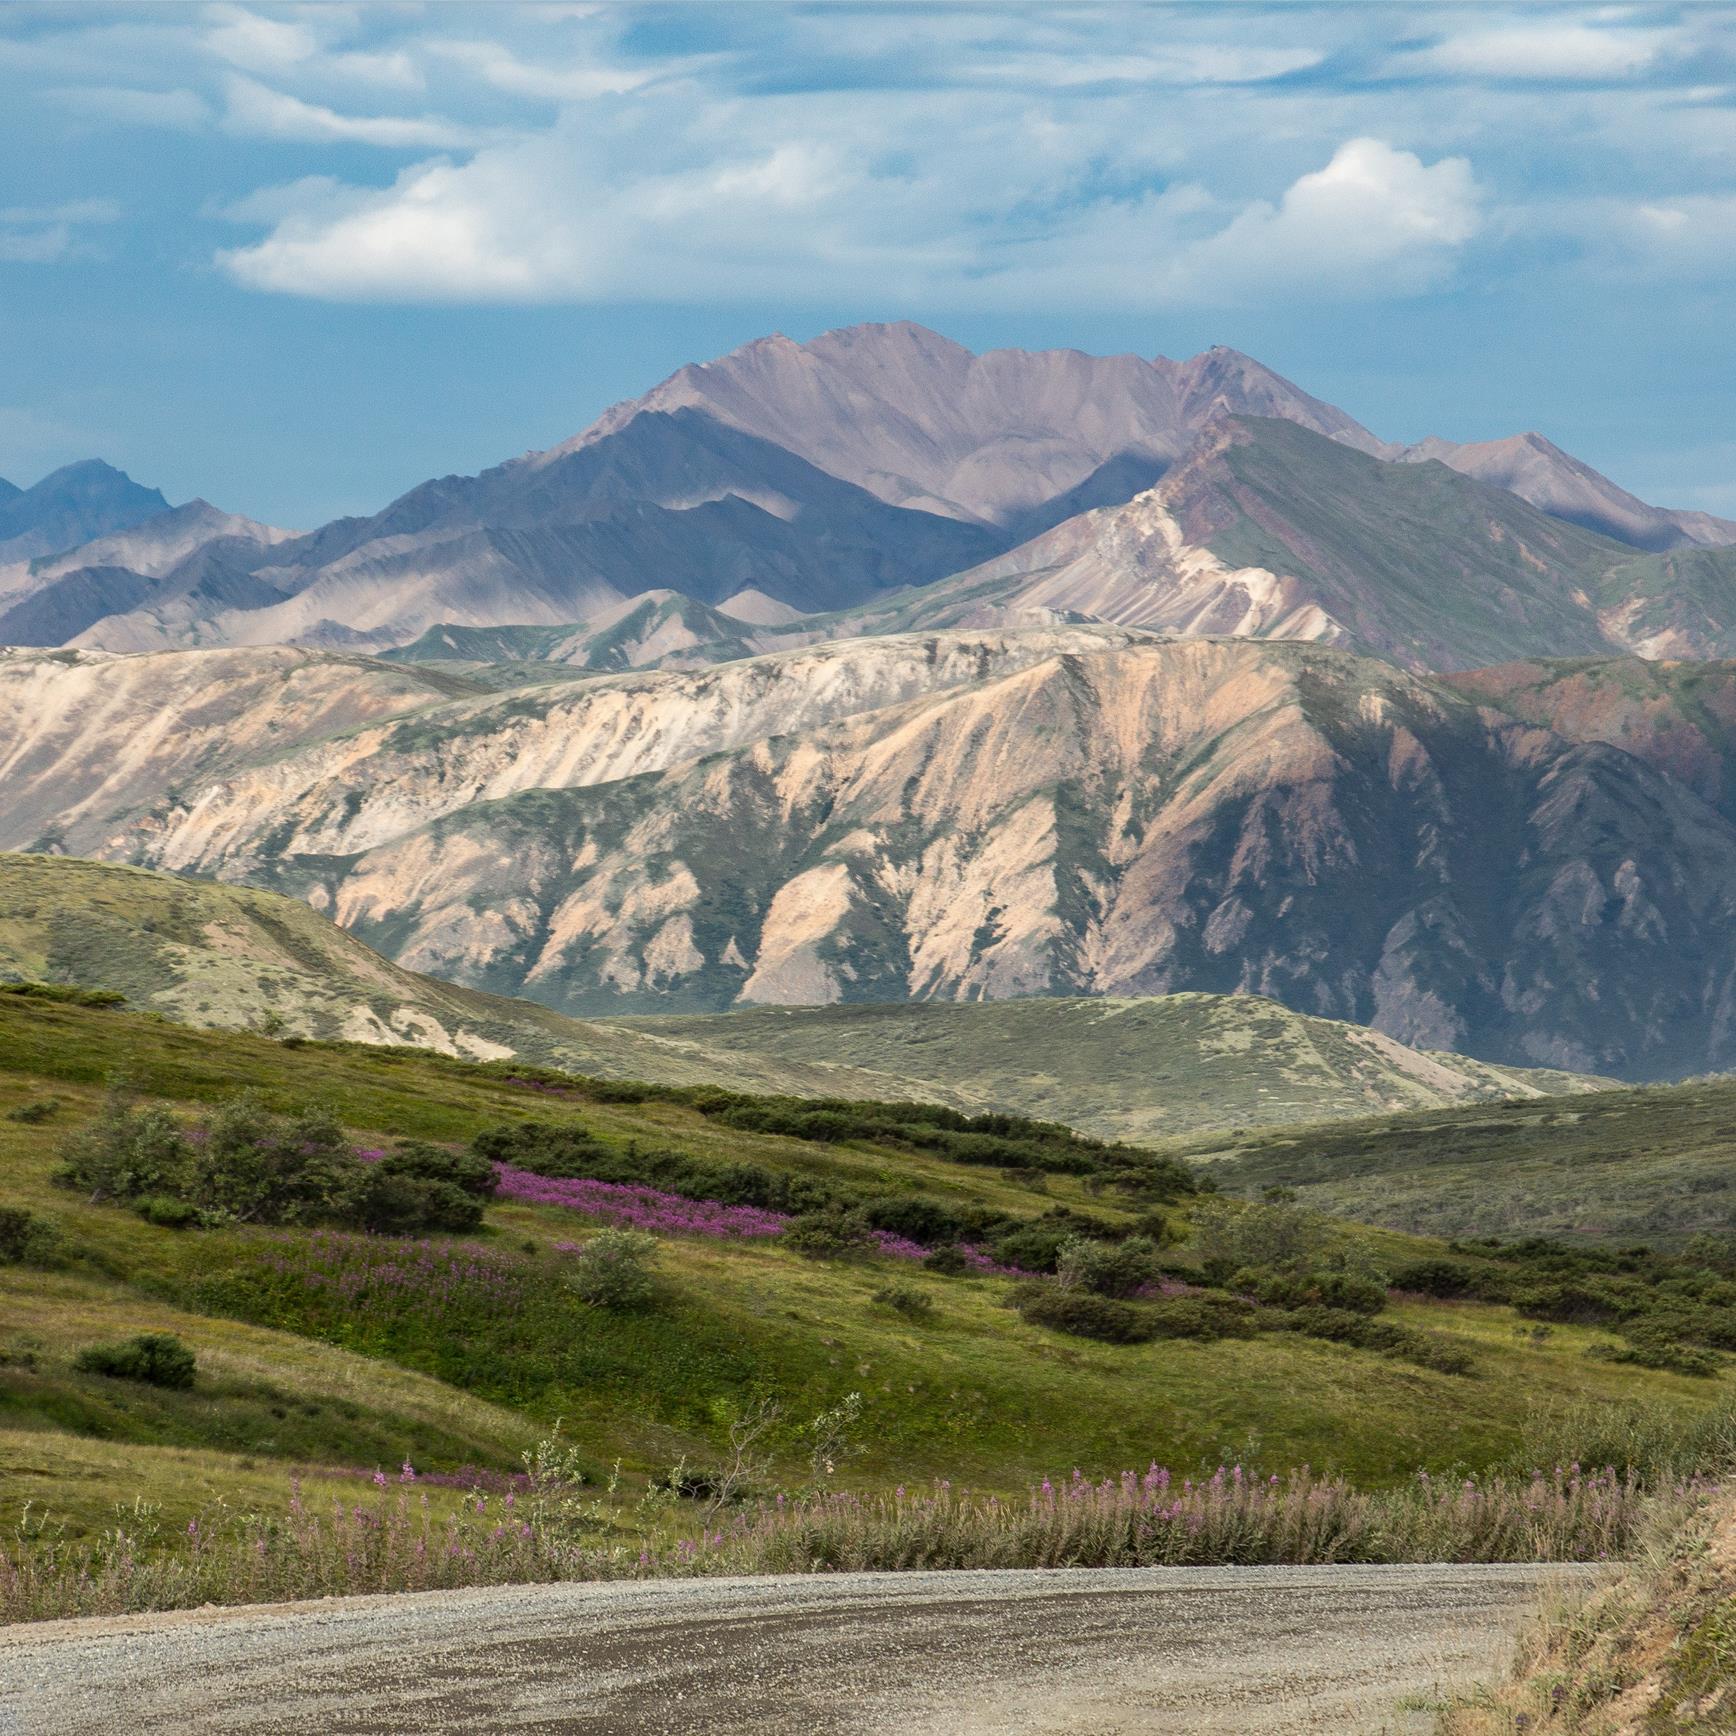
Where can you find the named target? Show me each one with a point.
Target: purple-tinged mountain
(71, 506)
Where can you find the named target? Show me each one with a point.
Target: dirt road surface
(1215, 1651)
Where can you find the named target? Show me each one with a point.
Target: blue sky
(296, 259)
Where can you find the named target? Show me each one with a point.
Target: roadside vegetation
(613, 1328)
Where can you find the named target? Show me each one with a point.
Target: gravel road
(1226, 1651)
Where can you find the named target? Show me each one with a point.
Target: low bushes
(247, 1164)
(615, 1270)
(155, 1358)
(1083, 1314)
(27, 1240)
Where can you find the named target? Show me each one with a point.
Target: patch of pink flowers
(640, 1208)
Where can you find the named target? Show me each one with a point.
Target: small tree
(27, 1240)
(1273, 1236)
(615, 1271)
(424, 1187)
(255, 1166)
(127, 1151)
(1107, 1268)
(832, 1436)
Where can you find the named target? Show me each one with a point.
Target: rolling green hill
(1134, 1069)
(233, 958)
(299, 1371)
(1655, 1164)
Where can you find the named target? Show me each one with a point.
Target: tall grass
(550, 1529)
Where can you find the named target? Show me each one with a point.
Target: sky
(296, 259)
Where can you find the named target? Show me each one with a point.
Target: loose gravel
(1224, 1651)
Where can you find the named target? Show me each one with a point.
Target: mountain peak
(72, 505)
(995, 439)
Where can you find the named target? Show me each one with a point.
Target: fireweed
(636, 1206)
(545, 1528)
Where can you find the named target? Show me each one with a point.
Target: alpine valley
(872, 671)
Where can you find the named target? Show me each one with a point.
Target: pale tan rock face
(86, 737)
(356, 791)
(977, 816)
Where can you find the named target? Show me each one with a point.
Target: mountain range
(790, 491)
(1534, 865)
(869, 670)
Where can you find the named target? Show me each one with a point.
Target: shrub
(614, 1270)
(27, 1240)
(915, 1218)
(1271, 1236)
(1116, 1269)
(1650, 1346)
(1082, 1313)
(169, 1213)
(1201, 1317)
(949, 1262)
(30, 1114)
(1339, 1290)
(1569, 1303)
(912, 1303)
(828, 1235)
(126, 1152)
(258, 1167)
(424, 1187)
(156, 1358)
(1447, 1279)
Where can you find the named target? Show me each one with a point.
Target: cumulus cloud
(1373, 216)
(255, 110)
(579, 214)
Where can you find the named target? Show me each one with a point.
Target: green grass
(1640, 1164)
(971, 1393)
(1120, 1068)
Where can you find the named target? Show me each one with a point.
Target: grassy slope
(1123, 1069)
(234, 958)
(973, 1394)
(1639, 1164)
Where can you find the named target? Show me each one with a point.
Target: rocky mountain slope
(168, 559)
(805, 479)
(90, 742)
(1267, 530)
(953, 816)
(1565, 487)
(1011, 438)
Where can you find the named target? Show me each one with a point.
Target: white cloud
(1556, 49)
(174, 110)
(1374, 217)
(662, 211)
(302, 45)
(42, 234)
(498, 67)
(255, 110)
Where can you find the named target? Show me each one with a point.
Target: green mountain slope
(231, 958)
(1648, 1165)
(228, 957)
(968, 1390)
(1123, 1069)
